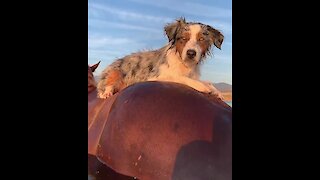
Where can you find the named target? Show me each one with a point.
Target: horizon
(97, 76)
(119, 28)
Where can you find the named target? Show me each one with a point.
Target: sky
(117, 28)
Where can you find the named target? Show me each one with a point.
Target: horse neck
(92, 94)
(91, 83)
(91, 88)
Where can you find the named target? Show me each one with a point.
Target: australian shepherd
(178, 61)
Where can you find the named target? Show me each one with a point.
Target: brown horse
(157, 130)
(97, 110)
(97, 170)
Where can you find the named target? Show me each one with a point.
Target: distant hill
(223, 87)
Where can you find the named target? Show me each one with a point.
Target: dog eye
(205, 33)
(184, 38)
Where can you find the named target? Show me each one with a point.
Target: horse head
(91, 81)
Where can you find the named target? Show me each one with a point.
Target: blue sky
(121, 27)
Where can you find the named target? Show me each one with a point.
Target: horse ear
(94, 67)
(216, 36)
(172, 28)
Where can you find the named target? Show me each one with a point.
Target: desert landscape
(226, 90)
(227, 96)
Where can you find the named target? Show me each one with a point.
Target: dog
(178, 61)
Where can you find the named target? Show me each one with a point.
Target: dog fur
(178, 61)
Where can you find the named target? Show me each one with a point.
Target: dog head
(192, 40)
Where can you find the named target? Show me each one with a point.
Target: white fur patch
(192, 43)
(176, 66)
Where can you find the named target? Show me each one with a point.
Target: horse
(96, 169)
(161, 130)
(97, 110)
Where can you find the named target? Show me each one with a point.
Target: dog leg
(108, 91)
(111, 80)
(214, 90)
(201, 86)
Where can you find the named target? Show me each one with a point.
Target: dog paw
(206, 89)
(214, 91)
(106, 93)
(218, 94)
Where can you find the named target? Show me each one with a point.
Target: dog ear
(94, 67)
(216, 36)
(173, 28)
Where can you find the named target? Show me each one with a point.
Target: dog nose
(191, 53)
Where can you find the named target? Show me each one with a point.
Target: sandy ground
(227, 96)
